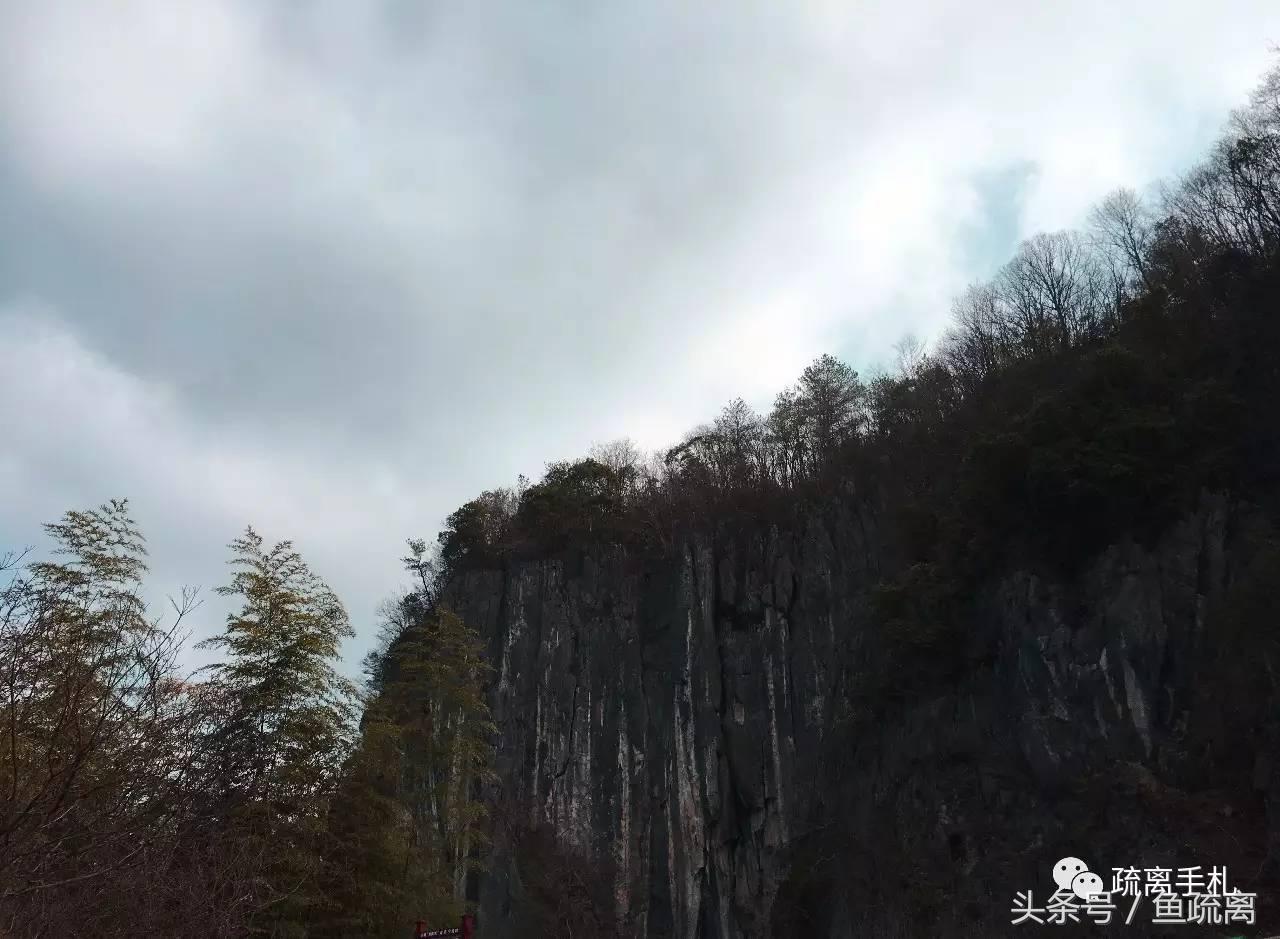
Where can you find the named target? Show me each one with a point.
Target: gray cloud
(338, 266)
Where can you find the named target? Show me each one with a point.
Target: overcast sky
(333, 268)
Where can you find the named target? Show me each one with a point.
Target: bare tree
(979, 338)
(1123, 230)
(621, 455)
(737, 446)
(1052, 292)
(910, 355)
(1233, 197)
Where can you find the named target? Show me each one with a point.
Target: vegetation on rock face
(408, 823)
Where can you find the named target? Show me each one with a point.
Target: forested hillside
(861, 665)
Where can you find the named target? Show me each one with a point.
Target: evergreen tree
(411, 816)
(830, 398)
(287, 726)
(438, 699)
(372, 883)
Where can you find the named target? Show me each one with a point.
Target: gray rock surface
(693, 722)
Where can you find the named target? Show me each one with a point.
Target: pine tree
(287, 725)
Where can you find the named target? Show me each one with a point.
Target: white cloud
(83, 432)
(140, 86)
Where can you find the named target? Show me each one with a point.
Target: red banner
(466, 931)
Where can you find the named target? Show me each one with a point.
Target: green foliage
(576, 498)
(99, 744)
(94, 591)
(811, 422)
(288, 723)
(409, 821)
(371, 879)
(240, 800)
(1119, 446)
(920, 615)
(473, 532)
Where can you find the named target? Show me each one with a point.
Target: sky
(333, 268)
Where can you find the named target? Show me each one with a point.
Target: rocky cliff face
(695, 724)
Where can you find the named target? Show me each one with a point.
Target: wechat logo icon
(1074, 875)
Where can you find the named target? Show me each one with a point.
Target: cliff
(719, 733)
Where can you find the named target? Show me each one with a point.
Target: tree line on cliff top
(1089, 390)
